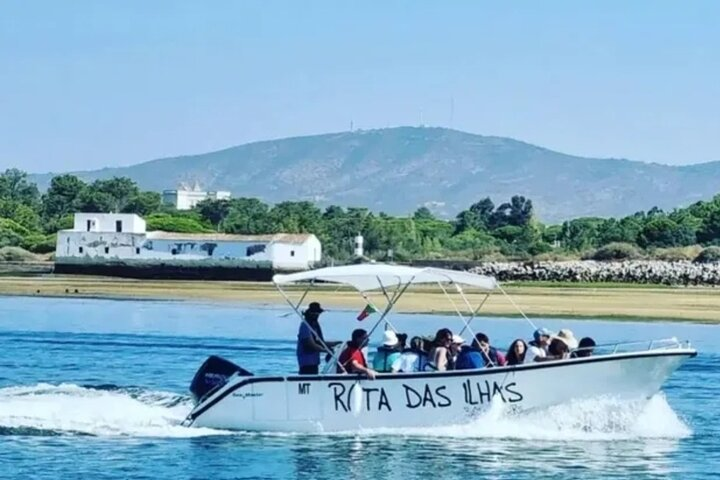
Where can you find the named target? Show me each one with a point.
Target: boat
(230, 397)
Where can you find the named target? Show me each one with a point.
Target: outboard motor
(213, 374)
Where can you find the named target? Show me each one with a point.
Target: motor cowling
(212, 375)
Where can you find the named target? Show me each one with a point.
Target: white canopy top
(374, 276)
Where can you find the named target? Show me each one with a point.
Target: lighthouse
(359, 252)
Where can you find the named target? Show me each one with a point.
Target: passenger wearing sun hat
(388, 353)
(567, 336)
(558, 349)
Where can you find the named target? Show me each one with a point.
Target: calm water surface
(98, 388)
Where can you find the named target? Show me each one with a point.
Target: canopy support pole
(517, 307)
(475, 311)
(457, 310)
(387, 298)
(399, 291)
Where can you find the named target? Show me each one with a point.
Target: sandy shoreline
(680, 304)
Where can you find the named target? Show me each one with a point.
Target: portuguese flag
(367, 311)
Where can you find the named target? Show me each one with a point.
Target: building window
(80, 249)
(253, 249)
(118, 225)
(89, 225)
(107, 249)
(137, 250)
(292, 253)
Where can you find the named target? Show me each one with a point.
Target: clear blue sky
(86, 84)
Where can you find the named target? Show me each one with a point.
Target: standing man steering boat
(310, 342)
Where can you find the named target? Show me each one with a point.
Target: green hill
(396, 170)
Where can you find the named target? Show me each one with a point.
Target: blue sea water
(98, 388)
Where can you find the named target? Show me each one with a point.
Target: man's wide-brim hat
(314, 307)
(566, 335)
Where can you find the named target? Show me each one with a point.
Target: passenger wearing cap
(537, 349)
(310, 342)
(388, 353)
(479, 355)
(455, 347)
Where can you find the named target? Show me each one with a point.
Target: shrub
(538, 248)
(176, 223)
(39, 243)
(11, 225)
(676, 254)
(708, 255)
(556, 256)
(8, 238)
(16, 254)
(616, 251)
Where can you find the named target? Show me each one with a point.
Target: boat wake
(109, 410)
(102, 410)
(590, 419)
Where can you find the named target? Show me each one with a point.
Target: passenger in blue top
(311, 342)
(479, 355)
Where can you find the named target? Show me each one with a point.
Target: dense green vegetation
(484, 231)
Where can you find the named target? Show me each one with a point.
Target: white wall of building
(187, 199)
(102, 241)
(292, 256)
(99, 244)
(108, 222)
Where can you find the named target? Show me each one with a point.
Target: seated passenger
(413, 359)
(387, 353)
(454, 350)
(558, 349)
(537, 349)
(585, 348)
(567, 335)
(440, 352)
(352, 359)
(502, 361)
(479, 355)
(516, 352)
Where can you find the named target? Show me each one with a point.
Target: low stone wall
(172, 269)
(636, 271)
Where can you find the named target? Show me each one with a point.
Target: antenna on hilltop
(351, 125)
(452, 110)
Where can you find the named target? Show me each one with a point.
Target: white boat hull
(307, 403)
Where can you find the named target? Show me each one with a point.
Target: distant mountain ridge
(397, 170)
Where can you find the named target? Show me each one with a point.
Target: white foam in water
(74, 409)
(594, 419)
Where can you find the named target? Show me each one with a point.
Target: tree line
(485, 230)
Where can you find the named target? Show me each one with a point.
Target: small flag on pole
(367, 311)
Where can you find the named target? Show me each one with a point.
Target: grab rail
(660, 344)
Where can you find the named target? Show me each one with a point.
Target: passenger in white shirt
(413, 359)
(537, 349)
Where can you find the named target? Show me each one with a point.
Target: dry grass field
(618, 302)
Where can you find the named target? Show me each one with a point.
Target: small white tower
(359, 246)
